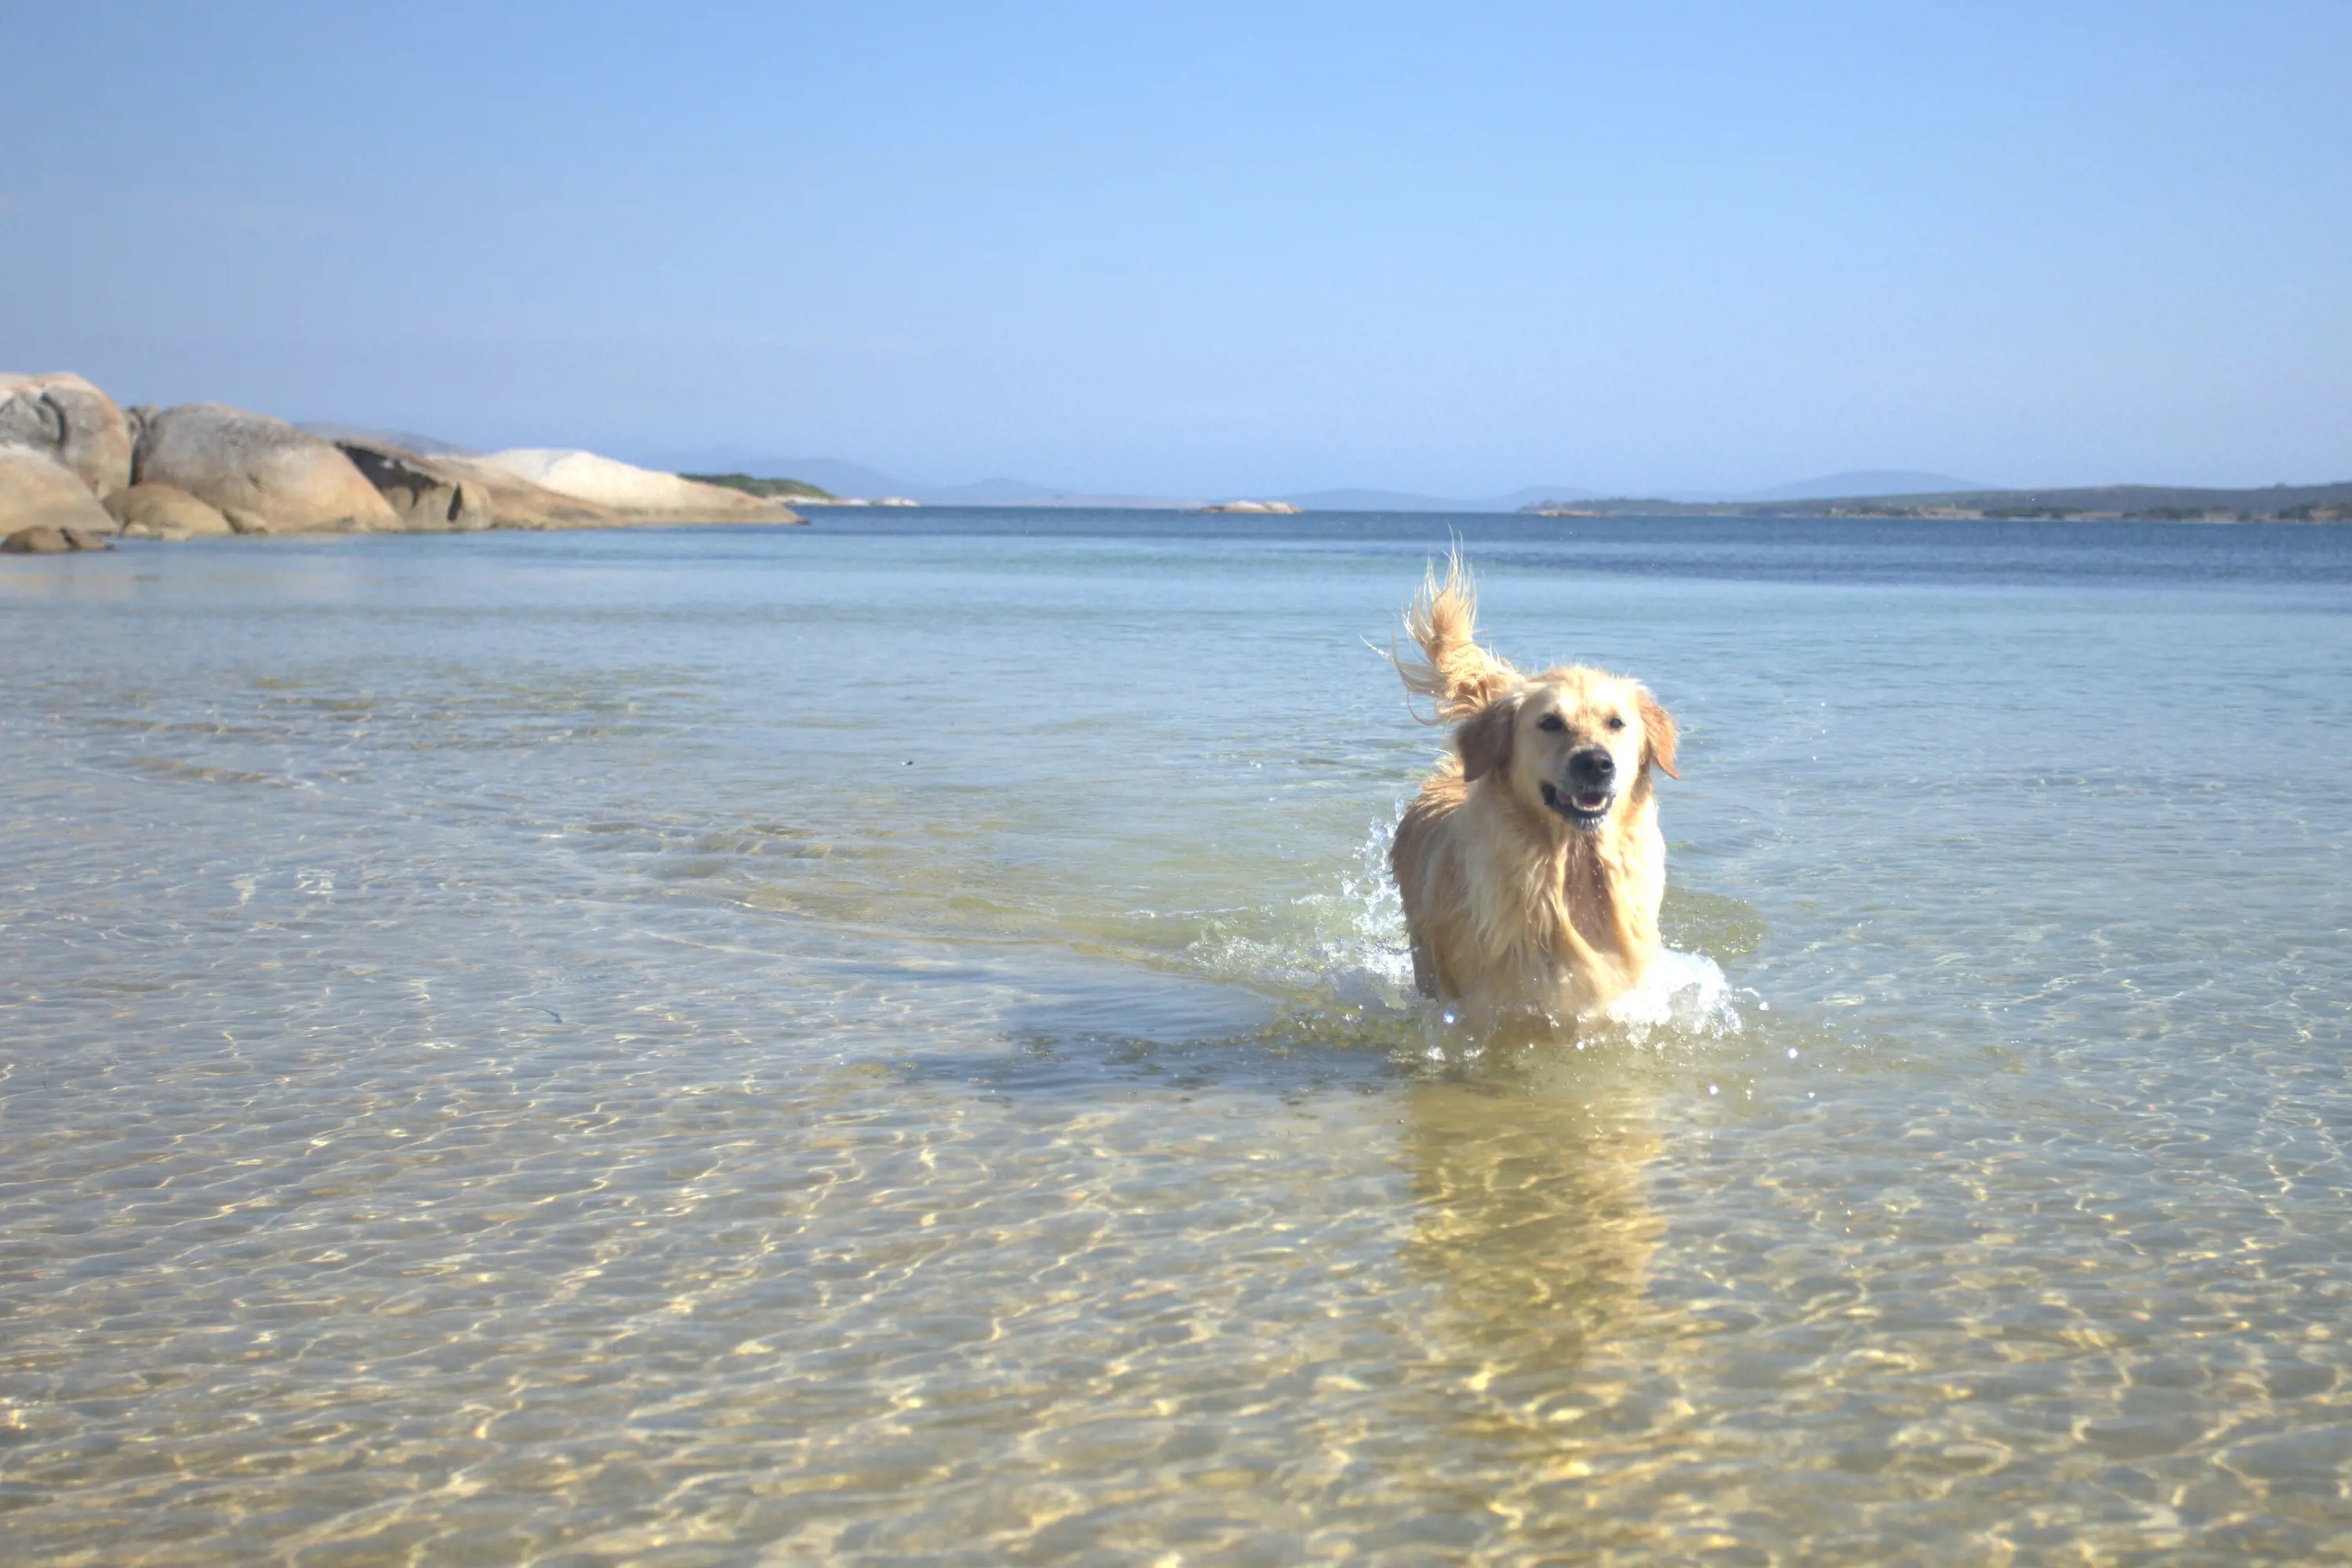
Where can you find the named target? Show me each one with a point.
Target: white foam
(1683, 993)
(1351, 947)
(1348, 945)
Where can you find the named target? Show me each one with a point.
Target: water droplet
(1710, 1088)
(1793, 1053)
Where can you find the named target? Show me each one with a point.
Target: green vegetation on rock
(750, 485)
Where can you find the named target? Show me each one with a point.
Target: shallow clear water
(883, 1042)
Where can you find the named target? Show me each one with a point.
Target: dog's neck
(1585, 873)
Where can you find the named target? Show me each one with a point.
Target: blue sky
(1216, 249)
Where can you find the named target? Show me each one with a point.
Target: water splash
(1348, 949)
(1683, 993)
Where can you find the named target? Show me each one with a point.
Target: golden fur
(1522, 905)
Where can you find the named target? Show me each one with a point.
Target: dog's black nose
(1593, 765)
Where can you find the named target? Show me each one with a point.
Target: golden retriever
(1530, 865)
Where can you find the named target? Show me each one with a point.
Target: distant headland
(1880, 492)
(2122, 503)
(78, 471)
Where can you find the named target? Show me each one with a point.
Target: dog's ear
(1658, 735)
(1483, 739)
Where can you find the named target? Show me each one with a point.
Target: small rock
(163, 511)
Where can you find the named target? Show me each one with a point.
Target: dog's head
(1574, 742)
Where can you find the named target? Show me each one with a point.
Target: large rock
(73, 422)
(38, 491)
(262, 474)
(163, 511)
(644, 492)
(428, 496)
(518, 503)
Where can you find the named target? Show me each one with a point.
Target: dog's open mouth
(1587, 808)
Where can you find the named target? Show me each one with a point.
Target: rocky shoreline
(78, 471)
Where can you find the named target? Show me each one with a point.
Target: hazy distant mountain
(1019, 492)
(1367, 501)
(825, 473)
(1406, 500)
(844, 479)
(1530, 495)
(855, 480)
(998, 491)
(1865, 482)
(429, 445)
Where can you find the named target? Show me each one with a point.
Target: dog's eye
(1550, 722)
(1616, 722)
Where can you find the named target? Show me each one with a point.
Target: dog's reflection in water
(1560, 1353)
(1530, 1217)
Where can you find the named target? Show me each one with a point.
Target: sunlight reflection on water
(894, 1042)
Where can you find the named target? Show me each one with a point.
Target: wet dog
(1530, 865)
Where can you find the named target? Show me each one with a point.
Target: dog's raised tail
(1452, 670)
